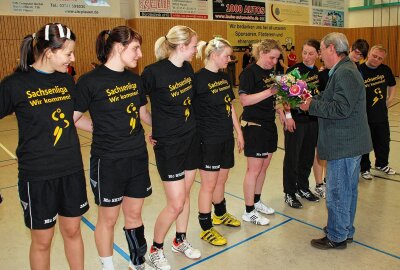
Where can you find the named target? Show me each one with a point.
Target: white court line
(7, 151)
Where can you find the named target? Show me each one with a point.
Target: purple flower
(302, 84)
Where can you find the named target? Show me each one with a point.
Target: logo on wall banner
(239, 10)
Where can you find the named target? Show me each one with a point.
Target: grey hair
(339, 41)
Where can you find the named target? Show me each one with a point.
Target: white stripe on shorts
(30, 206)
(98, 180)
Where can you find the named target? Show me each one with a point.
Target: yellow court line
(7, 151)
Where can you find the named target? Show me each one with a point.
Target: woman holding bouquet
(256, 92)
(301, 135)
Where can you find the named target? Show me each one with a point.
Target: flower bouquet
(293, 88)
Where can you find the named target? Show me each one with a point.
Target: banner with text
(97, 8)
(280, 13)
(239, 10)
(241, 35)
(197, 9)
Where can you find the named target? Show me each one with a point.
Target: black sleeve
(6, 106)
(391, 80)
(143, 98)
(82, 96)
(147, 80)
(246, 84)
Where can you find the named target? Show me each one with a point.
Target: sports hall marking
(7, 151)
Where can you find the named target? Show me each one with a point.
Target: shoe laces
(289, 199)
(158, 255)
(215, 233)
(184, 245)
(305, 193)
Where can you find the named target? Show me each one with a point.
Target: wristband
(288, 115)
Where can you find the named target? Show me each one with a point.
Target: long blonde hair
(217, 45)
(177, 35)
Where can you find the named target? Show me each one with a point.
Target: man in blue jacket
(343, 137)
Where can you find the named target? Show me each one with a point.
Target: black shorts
(216, 156)
(174, 159)
(112, 179)
(259, 141)
(42, 201)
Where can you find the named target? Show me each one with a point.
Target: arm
(82, 122)
(283, 64)
(251, 99)
(286, 118)
(145, 115)
(390, 96)
(238, 129)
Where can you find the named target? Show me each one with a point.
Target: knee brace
(137, 244)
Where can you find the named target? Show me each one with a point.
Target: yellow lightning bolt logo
(58, 115)
(379, 96)
(227, 100)
(131, 109)
(187, 103)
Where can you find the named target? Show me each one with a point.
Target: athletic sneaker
(263, 208)
(308, 195)
(320, 190)
(213, 237)
(386, 170)
(157, 258)
(255, 218)
(292, 201)
(186, 248)
(226, 219)
(143, 266)
(367, 175)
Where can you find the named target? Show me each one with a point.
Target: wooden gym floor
(283, 244)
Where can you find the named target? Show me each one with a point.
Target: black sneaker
(349, 240)
(325, 243)
(292, 201)
(307, 194)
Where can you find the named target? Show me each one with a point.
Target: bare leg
(318, 168)
(254, 166)
(104, 232)
(219, 190)
(261, 176)
(39, 253)
(208, 184)
(183, 218)
(175, 193)
(132, 209)
(73, 244)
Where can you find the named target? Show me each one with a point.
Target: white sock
(107, 263)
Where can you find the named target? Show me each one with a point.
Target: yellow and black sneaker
(213, 237)
(226, 219)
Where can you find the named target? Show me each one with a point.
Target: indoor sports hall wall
(13, 29)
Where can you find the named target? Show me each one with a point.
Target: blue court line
(115, 246)
(237, 244)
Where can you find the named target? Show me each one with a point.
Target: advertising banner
(197, 9)
(239, 10)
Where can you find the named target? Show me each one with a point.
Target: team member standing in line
(119, 173)
(51, 181)
(260, 134)
(169, 84)
(215, 118)
(301, 135)
(380, 85)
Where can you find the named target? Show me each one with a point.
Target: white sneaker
(157, 258)
(321, 191)
(386, 170)
(255, 218)
(367, 175)
(143, 266)
(263, 208)
(186, 248)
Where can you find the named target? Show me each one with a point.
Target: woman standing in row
(257, 92)
(169, 84)
(215, 117)
(301, 135)
(119, 173)
(51, 181)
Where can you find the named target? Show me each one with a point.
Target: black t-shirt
(213, 105)
(113, 100)
(299, 115)
(48, 145)
(278, 67)
(170, 89)
(323, 78)
(255, 79)
(376, 81)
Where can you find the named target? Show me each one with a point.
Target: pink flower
(306, 94)
(302, 84)
(295, 90)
